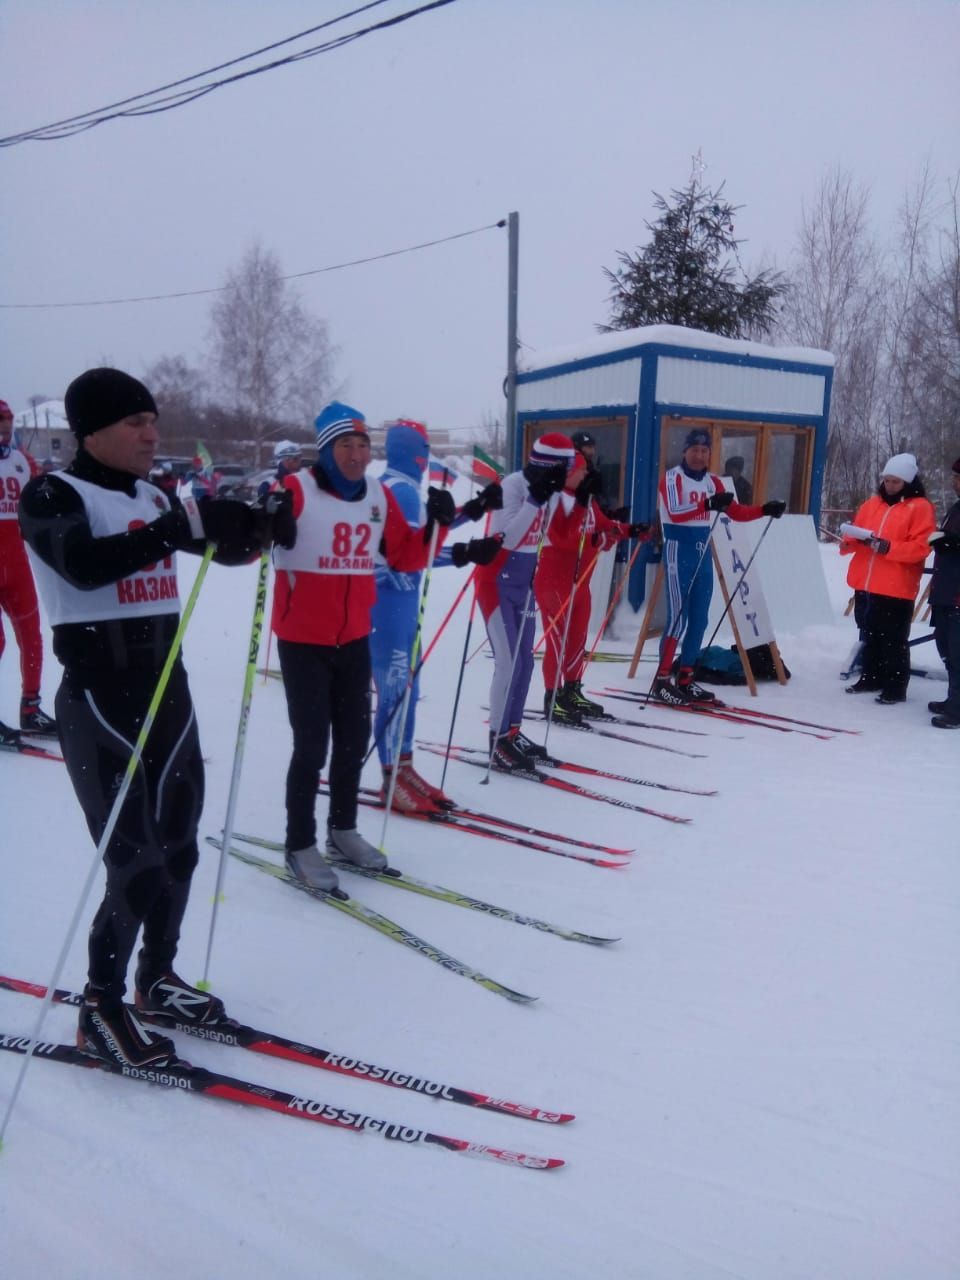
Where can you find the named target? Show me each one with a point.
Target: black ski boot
(532, 750)
(111, 1031)
(695, 692)
(562, 712)
(576, 701)
(664, 690)
(34, 721)
(170, 998)
(508, 755)
(10, 740)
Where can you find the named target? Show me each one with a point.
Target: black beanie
(100, 397)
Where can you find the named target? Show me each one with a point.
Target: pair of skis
(198, 1080)
(734, 714)
(477, 823)
(477, 757)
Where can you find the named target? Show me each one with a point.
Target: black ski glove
(275, 519)
(639, 530)
(476, 551)
(440, 507)
(488, 499)
(719, 501)
(543, 482)
(774, 508)
(588, 488)
(620, 514)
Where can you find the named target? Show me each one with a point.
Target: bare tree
(272, 360)
(836, 302)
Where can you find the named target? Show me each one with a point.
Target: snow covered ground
(764, 1070)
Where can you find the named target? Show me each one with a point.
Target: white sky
(569, 112)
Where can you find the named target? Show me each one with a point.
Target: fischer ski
(239, 1035)
(439, 892)
(553, 762)
(184, 1078)
(489, 831)
(478, 758)
(383, 924)
(489, 828)
(593, 726)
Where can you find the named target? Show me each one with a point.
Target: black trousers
(884, 623)
(946, 631)
(328, 693)
(151, 856)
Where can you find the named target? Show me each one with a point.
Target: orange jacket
(906, 526)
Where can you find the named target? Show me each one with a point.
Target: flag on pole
(204, 480)
(485, 470)
(440, 473)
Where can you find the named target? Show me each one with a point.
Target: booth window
(761, 460)
(610, 435)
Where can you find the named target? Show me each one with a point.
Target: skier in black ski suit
(101, 539)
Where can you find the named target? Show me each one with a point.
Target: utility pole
(510, 382)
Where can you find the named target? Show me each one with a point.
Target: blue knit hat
(338, 419)
(697, 436)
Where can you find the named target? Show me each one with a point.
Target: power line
(297, 275)
(151, 104)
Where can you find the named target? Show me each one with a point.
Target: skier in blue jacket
(394, 616)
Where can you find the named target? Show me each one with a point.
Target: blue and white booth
(639, 391)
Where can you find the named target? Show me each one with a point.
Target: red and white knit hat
(551, 449)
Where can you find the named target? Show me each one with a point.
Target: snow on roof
(50, 413)
(667, 335)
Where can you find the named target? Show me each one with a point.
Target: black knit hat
(100, 397)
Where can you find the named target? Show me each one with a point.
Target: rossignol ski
(239, 1035)
(718, 713)
(185, 1078)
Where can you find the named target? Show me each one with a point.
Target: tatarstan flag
(485, 470)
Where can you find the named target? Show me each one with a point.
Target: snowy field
(764, 1070)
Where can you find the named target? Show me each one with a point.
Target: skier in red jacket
(18, 596)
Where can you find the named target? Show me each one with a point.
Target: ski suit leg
(575, 656)
(152, 853)
(550, 601)
(18, 598)
(394, 618)
(307, 675)
(509, 619)
(688, 593)
(350, 722)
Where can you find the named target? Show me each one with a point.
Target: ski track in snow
(764, 1069)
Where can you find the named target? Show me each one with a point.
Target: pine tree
(685, 275)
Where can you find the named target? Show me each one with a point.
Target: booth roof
(667, 335)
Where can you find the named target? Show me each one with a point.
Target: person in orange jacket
(885, 574)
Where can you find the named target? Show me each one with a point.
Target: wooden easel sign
(743, 596)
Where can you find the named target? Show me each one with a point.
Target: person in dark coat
(945, 607)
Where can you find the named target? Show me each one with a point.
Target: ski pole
(746, 570)
(614, 601)
(256, 628)
(426, 654)
(411, 676)
(552, 622)
(112, 819)
(456, 697)
(686, 596)
(566, 626)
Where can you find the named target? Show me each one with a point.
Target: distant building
(43, 432)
